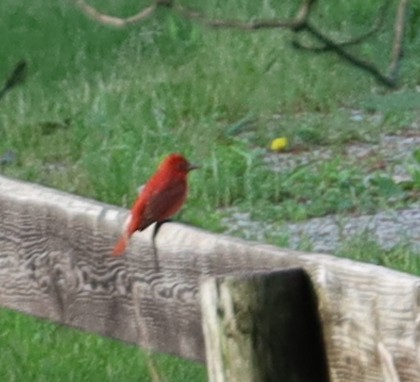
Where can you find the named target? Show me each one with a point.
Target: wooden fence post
(262, 327)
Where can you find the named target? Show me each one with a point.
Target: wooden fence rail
(55, 263)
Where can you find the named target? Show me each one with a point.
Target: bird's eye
(182, 166)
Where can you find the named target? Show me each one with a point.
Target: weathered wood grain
(262, 327)
(55, 263)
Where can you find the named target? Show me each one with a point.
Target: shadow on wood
(263, 327)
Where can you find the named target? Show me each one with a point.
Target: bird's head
(177, 162)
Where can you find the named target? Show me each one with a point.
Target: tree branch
(236, 24)
(113, 20)
(365, 65)
(397, 48)
(297, 24)
(16, 77)
(377, 25)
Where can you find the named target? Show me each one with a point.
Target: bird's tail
(121, 246)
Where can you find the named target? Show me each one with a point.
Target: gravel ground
(388, 228)
(392, 150)
(327, 234)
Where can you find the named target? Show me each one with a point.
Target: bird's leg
(156, 229)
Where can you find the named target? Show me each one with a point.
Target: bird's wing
(164, 202)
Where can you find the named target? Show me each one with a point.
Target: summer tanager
(162, 196)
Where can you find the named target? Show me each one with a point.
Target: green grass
(33, 350)
(102, 106)
(363, 248)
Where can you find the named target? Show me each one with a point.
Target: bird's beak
(193, 166)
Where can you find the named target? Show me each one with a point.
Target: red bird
(162, 196)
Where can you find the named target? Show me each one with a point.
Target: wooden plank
(55, 263)
(262, 327)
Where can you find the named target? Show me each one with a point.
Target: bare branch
(295, 24)
(365, 65)
(113, 20)
(397, 47)
(236, 24)
(304, 11)
(17, 76)
(377, 25)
